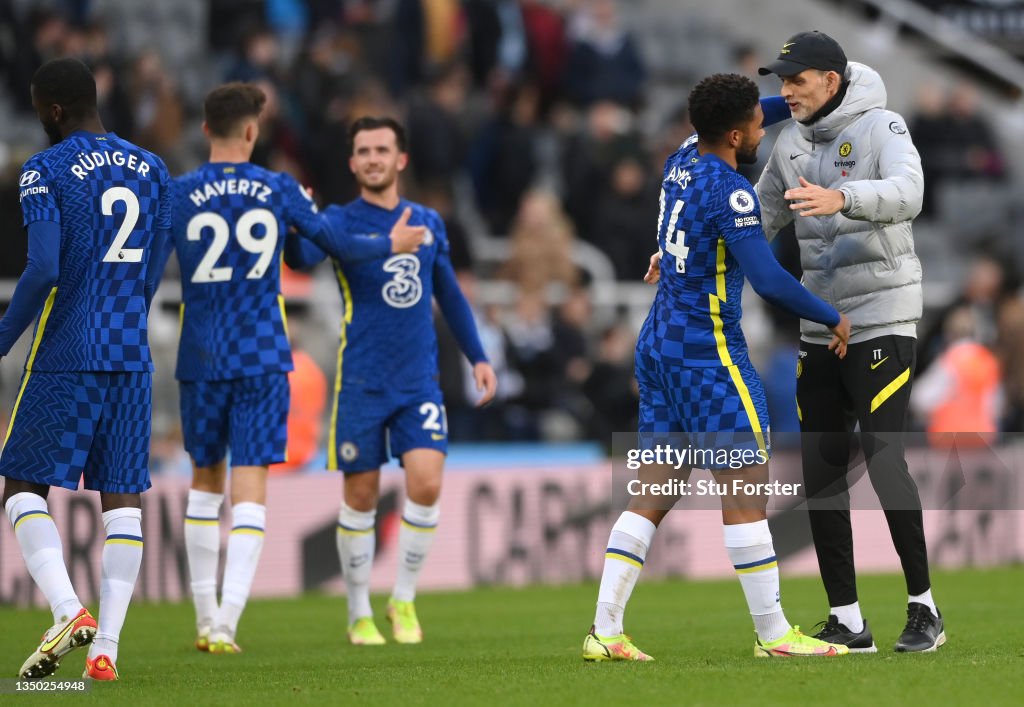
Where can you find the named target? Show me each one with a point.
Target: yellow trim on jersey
(47, 308)
(284, 316)
(332, 434)
(799, 412)
(715, 310)
(720, 270)
(888, 391)
(181, 319)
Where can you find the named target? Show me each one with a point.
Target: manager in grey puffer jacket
(849, 171)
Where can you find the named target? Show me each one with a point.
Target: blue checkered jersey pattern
(230, 224)
(706, 206)
(387, 338)
(112, 201)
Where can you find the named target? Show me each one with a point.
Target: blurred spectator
(466, 421)
(428, 37)
(540, 246)
(439, 198)
(436, 143)
(960, 393)
(259, 57)
(1010, 351)
(158, 115)
(590, 156)
(504, 158)
(42, 37)
(532, 352)
(986, 287)
(611, 388)
(626, 220)
(603, 63)
(956, 142)
(545, 33)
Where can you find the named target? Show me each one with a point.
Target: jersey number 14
(675, 240)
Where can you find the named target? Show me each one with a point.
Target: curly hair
(720, 103)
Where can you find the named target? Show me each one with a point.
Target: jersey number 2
(675, 241)
(265, 247)
(117, 253)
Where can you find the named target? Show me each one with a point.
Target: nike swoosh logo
(788, 44)
(799, 154)
(879, 363)
(52, 643)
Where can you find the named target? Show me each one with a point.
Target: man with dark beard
(698, 389)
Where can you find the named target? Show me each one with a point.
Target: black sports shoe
(923, 633)
(834, 632)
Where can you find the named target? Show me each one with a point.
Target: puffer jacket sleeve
(775, 211)
(896, 195)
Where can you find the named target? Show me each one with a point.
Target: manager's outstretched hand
(812, 200)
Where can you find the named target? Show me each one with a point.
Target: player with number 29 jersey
(231, 221)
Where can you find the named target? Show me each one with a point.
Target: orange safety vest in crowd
(969, 405)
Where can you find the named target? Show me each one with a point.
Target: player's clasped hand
(812, 200)
(406, 238)
(654, 269)
(486, 381)
(841, 336)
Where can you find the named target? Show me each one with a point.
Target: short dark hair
(372, 122)
(720, 103)
(226, 106)
(68, 83)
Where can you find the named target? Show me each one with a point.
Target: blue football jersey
(387, 338)
(706, 206)
(110, 198)
(230, 223)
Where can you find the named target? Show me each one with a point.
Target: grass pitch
(506, 646)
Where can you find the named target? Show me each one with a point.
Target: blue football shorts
(369, 423)
(73, 424)
(246, 416)
(717, 410)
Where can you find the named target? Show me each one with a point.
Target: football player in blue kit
(98, 210)
(231, 222)
(697, 385)
(387, 397)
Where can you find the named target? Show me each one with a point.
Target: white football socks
(628, 543)
(122, 558)
(750, 550)
(415, 537)
(356, 543)
(202, 545)
(849, 616)
(248, 523)
(44, 555)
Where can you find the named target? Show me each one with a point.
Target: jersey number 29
(265, 247)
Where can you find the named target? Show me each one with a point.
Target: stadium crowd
(538, 129)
